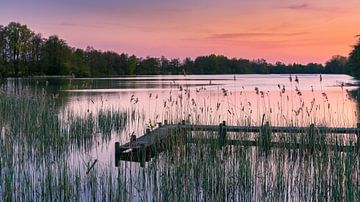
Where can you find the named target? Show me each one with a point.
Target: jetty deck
(143, 148)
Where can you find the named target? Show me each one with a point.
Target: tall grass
(45, 153)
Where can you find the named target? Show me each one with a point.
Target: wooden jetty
(143, 148)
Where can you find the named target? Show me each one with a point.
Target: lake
(59, 134)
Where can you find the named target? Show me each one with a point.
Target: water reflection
(245, 100)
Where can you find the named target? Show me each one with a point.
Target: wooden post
(142, 155)
(183, 133)
(117, 154)
(320, 137)
(312, 138)
(358, 134)
(222, 133)
(265, 136)
(159, 124)
(165, 122)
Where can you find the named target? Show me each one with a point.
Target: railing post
(312, 139)
(358, 134)
(222, 133)
(183, 132)
(265, 136)
(117, 154)
(142, 155)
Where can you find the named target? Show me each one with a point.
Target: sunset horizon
(180, 100)
(292, 32)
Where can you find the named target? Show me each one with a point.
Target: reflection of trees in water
(39, 85)
(34, 109)
(37, 145)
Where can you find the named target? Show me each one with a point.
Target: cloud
(254, 34)
(305, 6)
(104, 25)
(69, 24)
(170, 10)
(108, 25)
(298, 6)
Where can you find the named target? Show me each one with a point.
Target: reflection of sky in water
(160, 96)
(207, 103)
(202, 99)
(231, 82)
(157, 98)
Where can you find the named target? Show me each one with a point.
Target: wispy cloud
(309, 7)
(108, 25)
(298, 6)
(82, 25)
(254, 34)
(170, 10)
(69, 24)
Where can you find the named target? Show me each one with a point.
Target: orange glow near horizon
(294, 31)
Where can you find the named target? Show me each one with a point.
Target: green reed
(35, 143)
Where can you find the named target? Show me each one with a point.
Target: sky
(291, 31)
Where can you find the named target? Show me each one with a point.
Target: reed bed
(45, 153)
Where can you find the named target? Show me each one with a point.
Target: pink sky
(276, 30)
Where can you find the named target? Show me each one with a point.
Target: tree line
(25, 53)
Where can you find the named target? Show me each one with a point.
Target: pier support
(358, 135)
(222, 133)
(143, 148)
(265, 136)
(311, 134)
(117, 154)
(142, 155)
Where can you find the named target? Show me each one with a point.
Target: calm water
(301, 100)
(207, 99)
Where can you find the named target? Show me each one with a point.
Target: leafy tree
(354, 60)
(313, 68)
(56, 57)
(187, 66)
(261, 66)
(211, 64)
(336, 65)
(132, 65)
(243, 66)
(36, 47)
(279, 68)
(78, 65)
(174, 67)
(164, 65)
(2, 44)
(24, 52)
(18, 39)
(148, 66)
(2, 51)
(123, 64)
(93, 60)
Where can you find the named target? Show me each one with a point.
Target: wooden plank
(145, 147)
(149, 139)
(279, 129)
(254, 143)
